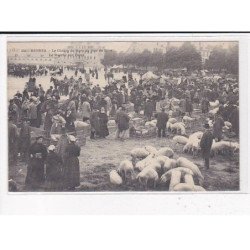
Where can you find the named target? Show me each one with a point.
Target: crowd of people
(56, 109)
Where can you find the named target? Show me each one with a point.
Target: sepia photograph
(123, 116)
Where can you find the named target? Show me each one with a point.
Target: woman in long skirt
(53, 169)
(72, 168)
(103, 120)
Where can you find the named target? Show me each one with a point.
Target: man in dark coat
(217, 127)
(13, 142)
(162, 119)
(36, 169)
(204, 105)
(148, 109)
(206, 144)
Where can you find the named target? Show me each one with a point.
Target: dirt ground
(100, 156)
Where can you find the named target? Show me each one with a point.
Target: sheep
(183, 162)
(180, 139)
(167, 175)
(188, 178)
(183, 187)
(148, 124)
(169, 126)
(228, 124)
(196, 147)
(111, 123)
(151, 123)
(125, 167)
(217, 147)
(175, 179)
(224, 146)
(154, 164)
(179, 128)
(140, 165)
(193, 144)
(151, 149)
(184, 171)
(197, 135)
(146, 175)
(115, 178)
(80, 124)
(166, 151)
(213, 111)
(162, 159)
(235, 146)
(154, 121)
(199, 189)
(214, 104)
(172, 120)
(169, 164)
(139, 153)
(188, 147)
(188, 120)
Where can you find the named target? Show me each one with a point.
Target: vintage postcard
(127, 115)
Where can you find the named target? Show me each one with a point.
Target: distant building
(204, 50)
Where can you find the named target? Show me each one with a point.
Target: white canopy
(117, 67)
(150, 75)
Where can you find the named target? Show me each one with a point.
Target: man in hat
(148, 109)
(217, 127)
(37, 156)
(162, 119)
(206, 144)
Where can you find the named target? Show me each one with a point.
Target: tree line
(185, 56)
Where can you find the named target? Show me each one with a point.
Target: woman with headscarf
(122, 120)
(95, 124)
(72, 168)
(36, 169)
(53, 169)
(85, 108)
